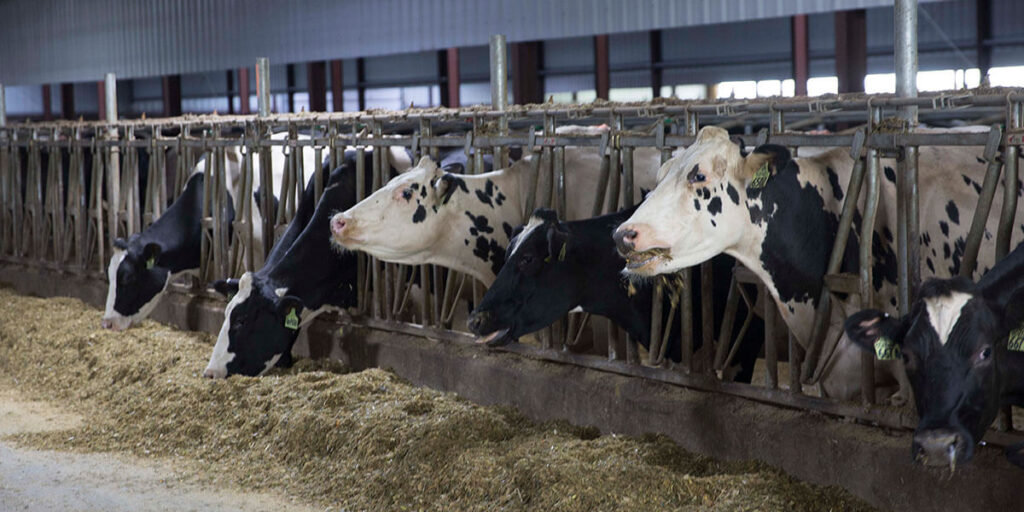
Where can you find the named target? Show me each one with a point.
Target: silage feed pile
(353, 441)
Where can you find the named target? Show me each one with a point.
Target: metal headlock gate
(67, 223)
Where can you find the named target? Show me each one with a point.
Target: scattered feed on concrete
(358, 441)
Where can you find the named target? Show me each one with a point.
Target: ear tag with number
(150, 262)
(886, 350)
(760, 177)
(1015, 341)
(291, 321)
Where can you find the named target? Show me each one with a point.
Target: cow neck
(609, 297)
(451, 251)
(179, 230)
(787, 245)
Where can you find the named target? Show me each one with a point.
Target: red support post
(602, 74)
(67, 101)
(101, 99)
(851, 49)
(526, 83)
(448, 67)
(243, 91)
(337, 86)
(801, 54)
(316, 73)
(654, 37)
(47, 103)
(172, 95)
(361, 82)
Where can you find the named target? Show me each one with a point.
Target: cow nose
(214, 373)
(937, 447)
(338, 224)
(625, 240)
(477, 319)
(106, 324)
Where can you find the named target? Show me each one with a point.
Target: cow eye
(985, 354)
(697, 178)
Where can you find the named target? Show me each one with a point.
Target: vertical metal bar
(360, 194)
(499, 91)
(686, 319)
(627, 177)
(771, 352)
(795, 360)
(262, 86)
(866, 287)
(1007, 218)
(559, 166)
(707, 305)
(3, 106)
(985, 197)
(905, 49)
(114, 157)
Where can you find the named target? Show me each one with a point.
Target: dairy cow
(302, 277)
(464, 222)
(553, 267)
(963, 346)
(778, 216)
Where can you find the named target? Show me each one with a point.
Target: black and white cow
(963, 346)
(553, 267)
(778, 216)
(302, 277)
(142, 266)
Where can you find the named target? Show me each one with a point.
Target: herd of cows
(958, 355)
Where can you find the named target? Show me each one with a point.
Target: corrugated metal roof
(49, 41)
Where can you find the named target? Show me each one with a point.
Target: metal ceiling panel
(50, 41)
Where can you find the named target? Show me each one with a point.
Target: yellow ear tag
(292, 320)
(561, 254)
(886, 350)
(150, 262)
(1016, 340)
(760, 177)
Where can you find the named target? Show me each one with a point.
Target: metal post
(905, 50)
(114, 161)
(263, 86)
(3, 106)
(499, 92)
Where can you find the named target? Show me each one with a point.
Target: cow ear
(151, 253)
(558, 241)
(121, 243)
(400, 159)
(867, 327)
(225, 287)
(764, 162)
(289, 308)
(427, 163)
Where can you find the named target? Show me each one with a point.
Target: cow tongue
(492, 336)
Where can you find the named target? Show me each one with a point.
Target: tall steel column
(851, 49)
(905, 58)
(337, 86)
(171, 86)
(316, 74)
(263, 86)
(243, 91)
(801, 54)
(47, 103)
(602, 74)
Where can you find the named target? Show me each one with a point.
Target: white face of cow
(697, 211)
(133, 291)
(427, 215)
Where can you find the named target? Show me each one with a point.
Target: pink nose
(338, 224)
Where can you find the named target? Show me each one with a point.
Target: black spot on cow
(489, 188)
(890, 174)
(488, 250)
(705, 193)
(980, 160)
(713, 223)
(715, 206)
(926, 238)
(887, 233)
(465, 241)
(892, 300)
(958, 252)
(484, 198)
(423, 192)
(791, 308)
(696, 206)
(733, 194)
(945, 250)
(953, 212)
(944, 227)
(508, 229)
(415, 186)
(480, 223)
(931, 266)
(972, 183)
(499, 199)
(885, 265)
(420, 215)
(833, 180)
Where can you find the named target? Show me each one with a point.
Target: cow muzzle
(482, 323)
(215, 373)
(625, 240)
(939, 447)
(115, 324)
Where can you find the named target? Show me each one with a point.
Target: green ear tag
(1016, 340)
(561, 254)
(150, 262)
(292, 320)
(886, 350)
(760, 177)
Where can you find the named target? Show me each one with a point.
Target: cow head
(136, 280)
(260, 326)
(954, 346)
(699, 208)
(534, 288)
(418, 215)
